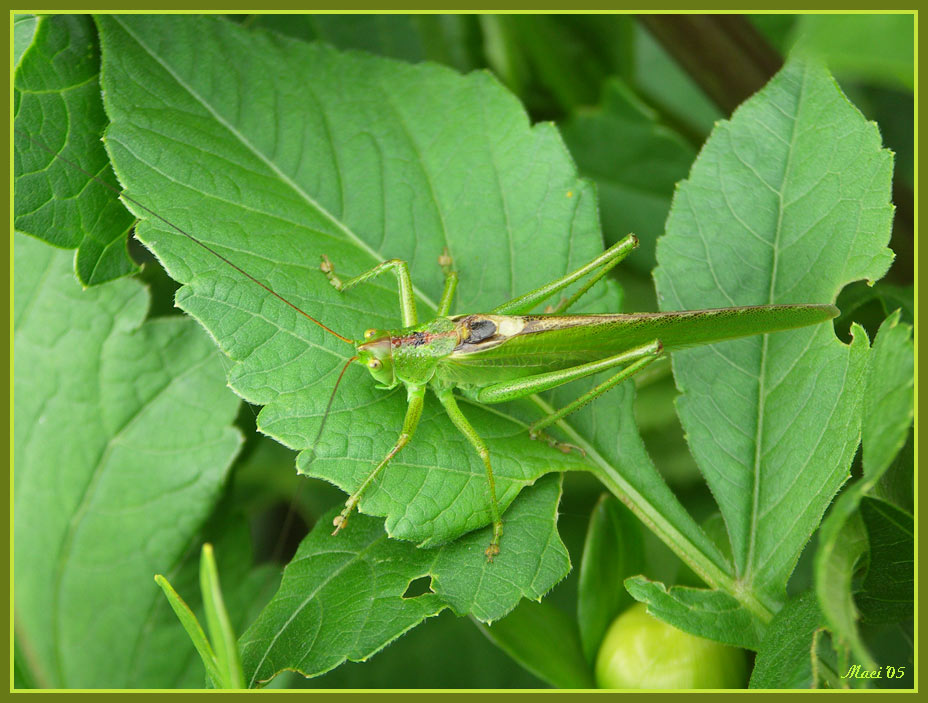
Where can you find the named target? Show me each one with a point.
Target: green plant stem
(714, 575)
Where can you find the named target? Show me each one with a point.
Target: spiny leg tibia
(457, 417)
(416, 396)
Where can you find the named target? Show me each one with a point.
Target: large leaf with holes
(788, 202)
(304, 151)
(346, 600)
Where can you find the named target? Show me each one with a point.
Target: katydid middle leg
(446, 396)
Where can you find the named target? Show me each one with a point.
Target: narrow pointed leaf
(193, 629)
(787, 202)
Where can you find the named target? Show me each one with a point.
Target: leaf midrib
(749, 565)
(350, 235)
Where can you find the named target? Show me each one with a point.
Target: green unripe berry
(640, 651)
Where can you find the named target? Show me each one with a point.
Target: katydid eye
(369, 333)
(374, 364)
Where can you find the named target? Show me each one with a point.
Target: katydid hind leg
(598, 267)
(457, 417)
(416, 395)
(632, 361)
(650, 354)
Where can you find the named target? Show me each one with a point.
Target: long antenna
(325, 416)
(193, 239)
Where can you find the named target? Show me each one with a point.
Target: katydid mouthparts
(508, 353)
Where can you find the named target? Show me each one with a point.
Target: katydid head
(376, 353)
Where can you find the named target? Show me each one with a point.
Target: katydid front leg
(416, 398)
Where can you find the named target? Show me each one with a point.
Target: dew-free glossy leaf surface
(122, 442)
(787, 202)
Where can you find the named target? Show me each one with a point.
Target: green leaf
(875, 48)
(24, 28)
(666, 84)
(775, 28)
(58, 108)
(121, 446)
(635, 162)
(279, 202)
(220, 627)
(555, 63)
(869, 306)
(787, 203)
(888, 406)
(193, 629)
(169, 660)
(787, 654)
(545, 641)
(344, 596)
(457, 653)
(711, 614)
(889, 587)
(449, 39)
(842, 548)
(845, 540)
(613, 550)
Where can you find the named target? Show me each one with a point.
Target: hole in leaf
(419, 587)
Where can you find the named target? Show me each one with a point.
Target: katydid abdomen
(511, 347)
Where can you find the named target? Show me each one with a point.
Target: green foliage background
(261, 139)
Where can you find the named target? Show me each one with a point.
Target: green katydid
(508, 353)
